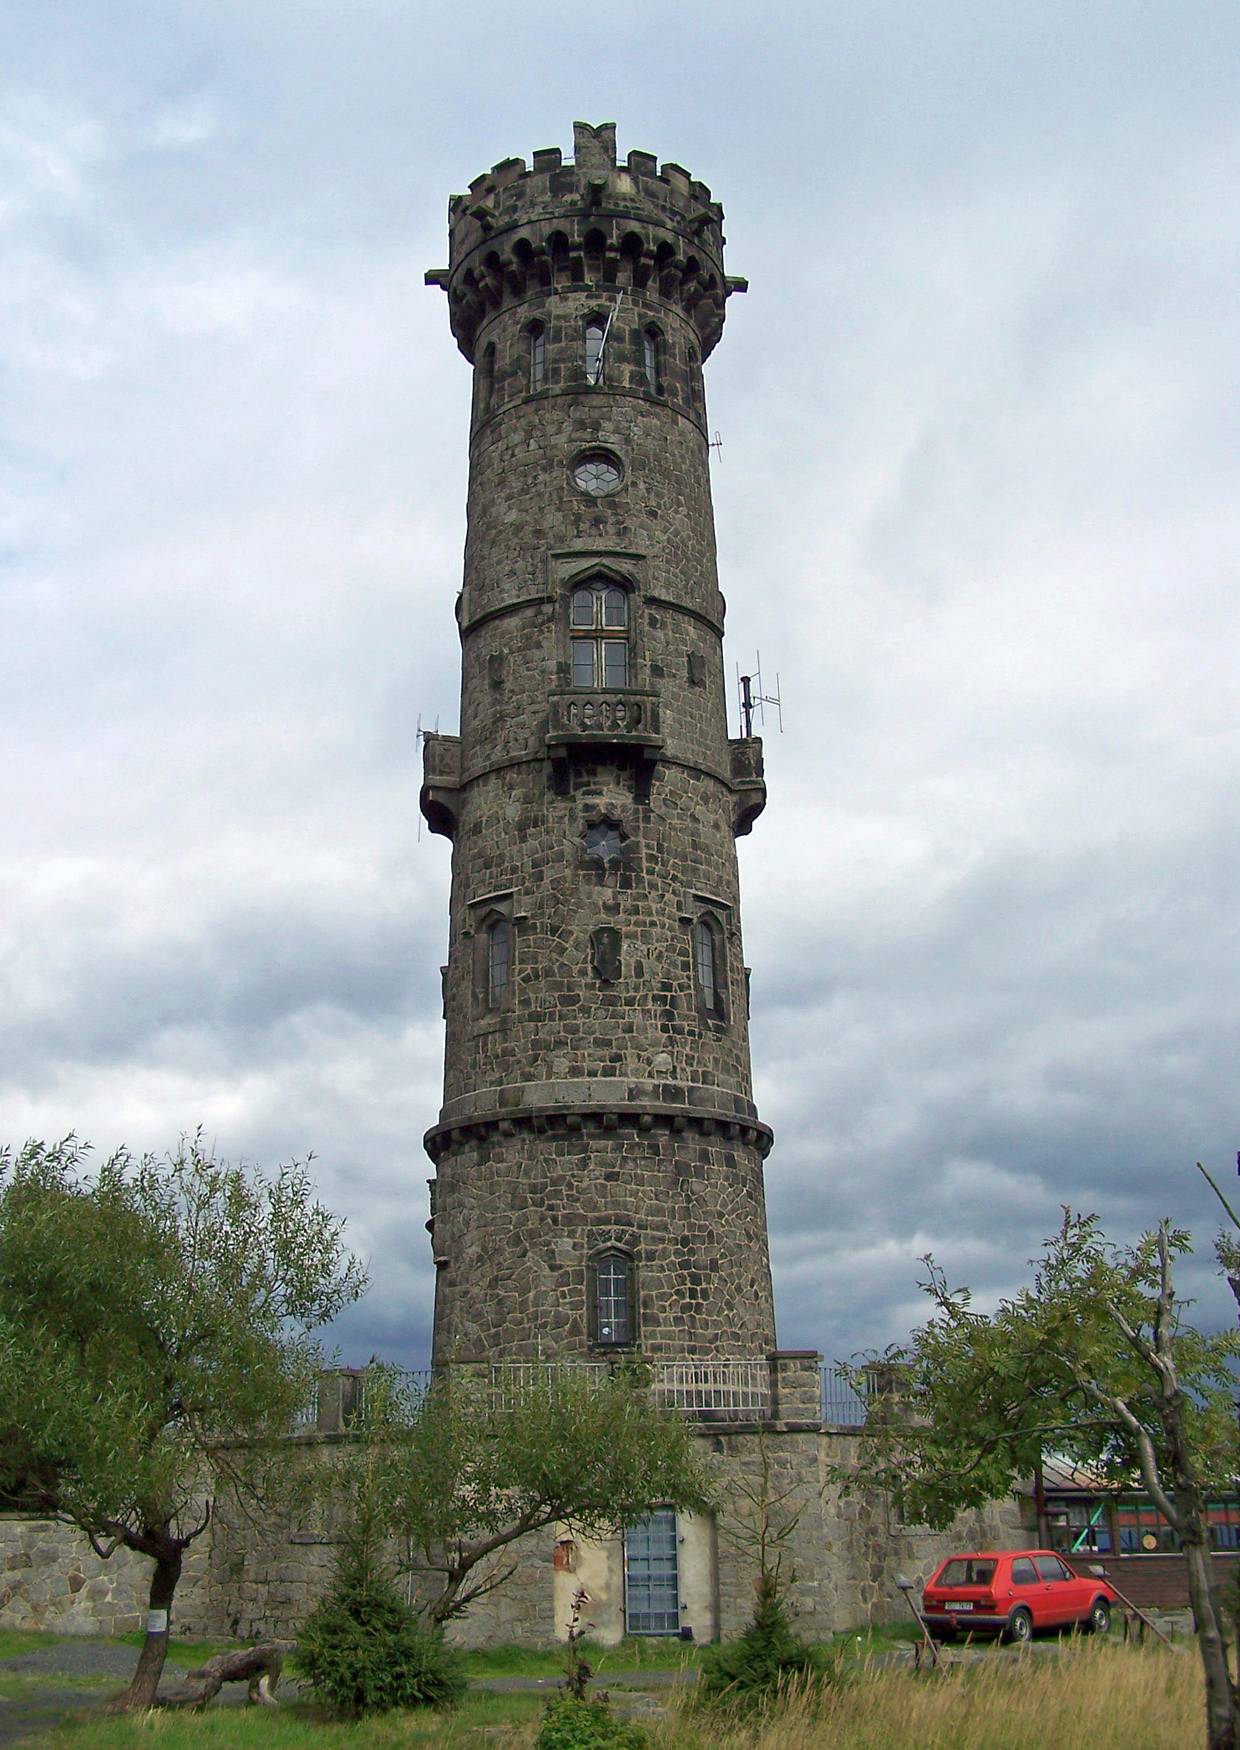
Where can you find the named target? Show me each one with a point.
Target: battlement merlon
(588, 222)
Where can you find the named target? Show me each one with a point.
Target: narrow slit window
(596, 332)
(613, 1292)
(708, 970)
(499, 962)
(486, 379)
(538, 355)
(650, 356)
(704, 961)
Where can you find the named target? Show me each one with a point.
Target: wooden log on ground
(259, 1666)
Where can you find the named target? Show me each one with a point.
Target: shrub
(365, 1652)
(766, 1656)
(569, 1724)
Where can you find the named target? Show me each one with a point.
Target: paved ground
(95, 1671)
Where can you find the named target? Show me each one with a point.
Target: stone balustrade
(611, 717)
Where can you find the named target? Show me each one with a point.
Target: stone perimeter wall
(847, 1555)
(51, 1579)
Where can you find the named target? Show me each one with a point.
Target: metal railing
(715, 1388)
(308, 1415)
(740, 1389)
(844, 1398)
(337, 1398)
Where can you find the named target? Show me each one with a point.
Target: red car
(1012, 1593)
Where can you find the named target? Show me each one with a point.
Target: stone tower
(598, 1155)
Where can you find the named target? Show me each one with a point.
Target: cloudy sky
(977, 505)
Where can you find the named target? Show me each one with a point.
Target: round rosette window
(597, 472)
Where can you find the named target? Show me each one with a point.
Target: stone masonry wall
(845, 1557)
(51, 1579)
(522, 1224)
(240, 1582)
(566, 1022)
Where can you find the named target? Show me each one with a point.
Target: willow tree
(156, 1343)
(440, 1485)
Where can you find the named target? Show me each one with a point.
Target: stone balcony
(615, 718)
(441, 782)
(748, 781)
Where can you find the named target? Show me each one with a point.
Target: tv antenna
(419, 737)
(753, 699)
(716, 444)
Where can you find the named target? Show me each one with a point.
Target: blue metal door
(651, 1582)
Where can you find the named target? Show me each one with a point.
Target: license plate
(957, 1607)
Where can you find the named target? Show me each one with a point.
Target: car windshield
(967, 1571)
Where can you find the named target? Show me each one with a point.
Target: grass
(15, 1642)
(504, 1719)
(652, 1653)
(184, 1652)
(30, 1685)
(879, 1637)
(1093, 1696)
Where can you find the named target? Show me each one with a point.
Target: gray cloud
(975, 502)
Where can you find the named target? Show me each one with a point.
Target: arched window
(599, 628)
(596, 333)
(651, 360)
(491, 928)
(538, 354)
(498, 962)
(612, 1300)
(709, 975)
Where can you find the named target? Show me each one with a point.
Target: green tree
(460, 1472)
(1094, 1361)
(155, 1344)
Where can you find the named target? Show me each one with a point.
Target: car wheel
(1019, 1630)
(1099, 1619)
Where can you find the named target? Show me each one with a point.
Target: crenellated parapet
(637, 226)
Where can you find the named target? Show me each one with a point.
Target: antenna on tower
(753, 699)
(716, 444)
(602, 348)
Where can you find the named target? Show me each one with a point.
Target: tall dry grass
(1099, 1697)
